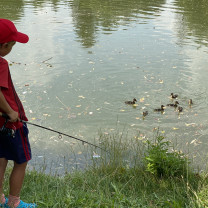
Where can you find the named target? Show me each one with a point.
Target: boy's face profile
(5, 48)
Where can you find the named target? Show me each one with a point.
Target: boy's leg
(15, 182)
(3, 165)
(17, 178)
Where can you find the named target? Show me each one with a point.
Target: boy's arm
(7, 109)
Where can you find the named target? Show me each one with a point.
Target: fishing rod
(58, 132)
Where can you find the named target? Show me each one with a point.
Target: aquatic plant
(163, 163)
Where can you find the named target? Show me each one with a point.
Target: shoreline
(139, 173)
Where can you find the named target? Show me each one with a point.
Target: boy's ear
(4, 45)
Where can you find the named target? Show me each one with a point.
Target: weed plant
(159, 161)
(135, 172)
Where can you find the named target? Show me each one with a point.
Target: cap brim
(21, 37)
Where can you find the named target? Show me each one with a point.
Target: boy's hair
(8, 32)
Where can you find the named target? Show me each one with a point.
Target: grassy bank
(137, 173)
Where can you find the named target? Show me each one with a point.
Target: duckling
(190, 102)
(131, 102)
(173, 96)
(180, 109)
(173, 105)
(160, 109)
(145, 113)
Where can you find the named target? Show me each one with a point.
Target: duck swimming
(180, 109)
(190, 102)
(173, 105)
(145, 113)
(173, 96)
(131, 102)
(160, 109)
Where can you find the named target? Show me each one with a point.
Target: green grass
(123, 179)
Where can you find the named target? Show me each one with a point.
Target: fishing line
(58, 132)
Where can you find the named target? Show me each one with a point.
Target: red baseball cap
(8, 32)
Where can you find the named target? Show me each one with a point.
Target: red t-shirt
(10, 95)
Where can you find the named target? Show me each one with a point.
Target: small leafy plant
(163, 163)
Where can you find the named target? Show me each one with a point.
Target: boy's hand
(13, 116)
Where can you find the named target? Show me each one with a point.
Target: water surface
(86, 58)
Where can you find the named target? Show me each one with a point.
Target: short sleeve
(4, 73)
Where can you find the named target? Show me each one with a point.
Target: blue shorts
(16, 148)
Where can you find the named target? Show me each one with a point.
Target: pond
(86, 58)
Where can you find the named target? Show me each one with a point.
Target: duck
(180, 109)
(131, 102)
(190, 102)
(160, 109)
(145, 113)
(173, 105)
(173, 96)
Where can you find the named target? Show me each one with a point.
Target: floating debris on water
(95, 155)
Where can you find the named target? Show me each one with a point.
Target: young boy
(14, 146)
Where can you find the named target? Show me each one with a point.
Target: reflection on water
(12, 9)
(86, 58)
(194, 20)
(92, 16)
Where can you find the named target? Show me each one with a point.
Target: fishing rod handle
(4, 115)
